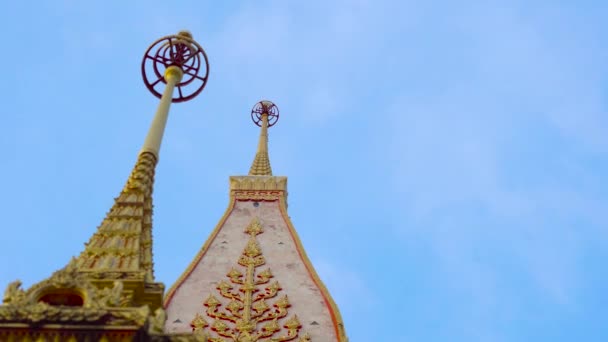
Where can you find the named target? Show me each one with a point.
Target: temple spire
(123, 241)
(264, 114)
(260, 285)
(108, 293)
(261, 162)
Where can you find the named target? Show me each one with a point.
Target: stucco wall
(281, 254)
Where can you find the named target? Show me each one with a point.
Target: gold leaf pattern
(123, 241)
(248, 316)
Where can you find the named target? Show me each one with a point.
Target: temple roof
(252, 280)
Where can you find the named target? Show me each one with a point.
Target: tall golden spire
(108, 292)
(123, 241)
(266, 113)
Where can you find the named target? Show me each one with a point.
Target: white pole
(173, 75)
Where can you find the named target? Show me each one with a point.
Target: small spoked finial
(181, 51)
(265, 107)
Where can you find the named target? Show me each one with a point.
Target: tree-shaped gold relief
(249, 307)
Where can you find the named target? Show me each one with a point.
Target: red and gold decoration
(251, 307)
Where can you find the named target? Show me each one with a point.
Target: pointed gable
(252, 279)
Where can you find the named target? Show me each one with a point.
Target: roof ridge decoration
(123, 241)
(264, 114)
(98, 305)
(247, 308)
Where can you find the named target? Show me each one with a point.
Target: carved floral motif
(249, 315)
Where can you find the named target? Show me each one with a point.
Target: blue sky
(447, 162)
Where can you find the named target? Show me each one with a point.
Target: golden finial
(179, 63)
(264, 114)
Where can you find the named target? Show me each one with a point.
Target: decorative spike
(262, 113)
(223, 286)
(283, 302)
(212, 302)
(293, 323)
(198, 323)
(271, 326)
(260, 306)
(219, 326)
(234, 274)
(254, 228)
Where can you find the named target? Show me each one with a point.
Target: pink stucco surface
(282, 257)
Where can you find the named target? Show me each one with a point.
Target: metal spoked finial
(177, 50)
(265, 107)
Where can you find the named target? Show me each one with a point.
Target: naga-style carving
(157, 322)
(98, 305)
(249, 316)
(110, 297)
(13, 293)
